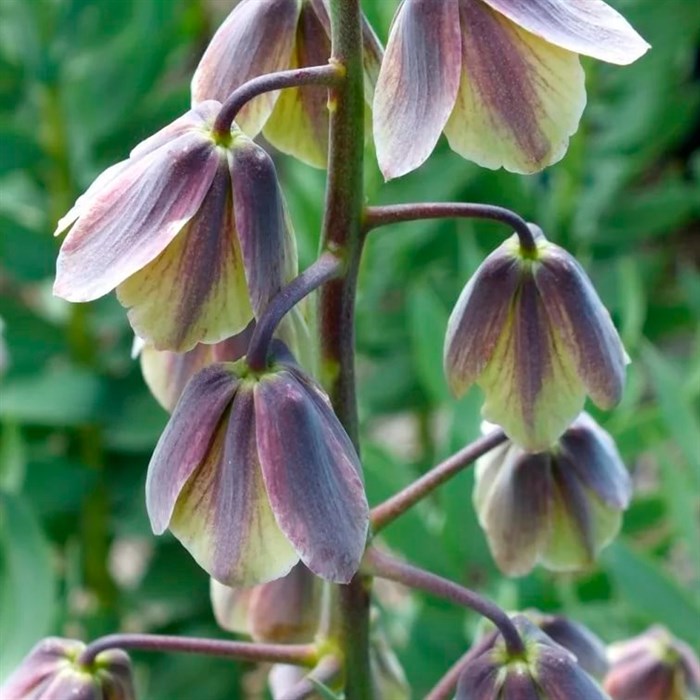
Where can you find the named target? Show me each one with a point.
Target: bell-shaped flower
(285, 611)
(530, 329)
(265, 36)
(560, 507)
(589, 650)
(254, 472)
(53, 671)
(191, 230)
(653, 666)
(502, 78)
(546, 671)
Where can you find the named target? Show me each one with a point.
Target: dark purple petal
(134, 217)
(311, 471)
(589, 27)
(223, 514)
(561, 678)
(196, 289)
(417, 84)
(255, 39)
(591, 453)
(512, 497)
(582, 324)
(263, 226)
(480, 680)
(478, 319)
(186, 440)
(519, 685)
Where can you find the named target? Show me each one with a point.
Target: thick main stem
(297, 654)
(342, 235)
(398, 213)
(392, 508)
(379, 564)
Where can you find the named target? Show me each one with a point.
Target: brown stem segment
(324, 269)
(385, 513)
(297, 654)
(398, 213)
(379, 564)
(342, 235)
(327, 76)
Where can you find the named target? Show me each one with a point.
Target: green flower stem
(379, 564)
(385, 513)
(445, 687)
(397, 213)
(327, 671)
(342, 234)
(327, 267)
(297, 654)
(326, 75)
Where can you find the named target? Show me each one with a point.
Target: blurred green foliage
(81, 82)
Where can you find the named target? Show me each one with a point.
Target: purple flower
(559, 507)
(192, 232)
(51, 671)
(530, 329)
(653, 666)
(502, 78)
(546, 671)
(255, 472)
(264, 36)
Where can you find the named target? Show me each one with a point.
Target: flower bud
(653, 666)
(546, 671)
(191, 230)
(559, 507)
(265, 36)
(251, 471)
(530, 329)
(52, 671)
(502, 78)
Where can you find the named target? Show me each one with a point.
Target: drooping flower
(191, 230)
(285, 611)
(52, 671)
(502, 78)
(264, 36)
(255, 472)
(588, 648)
(546, 671)
(530, 329)
(559, 507)
(653, 666)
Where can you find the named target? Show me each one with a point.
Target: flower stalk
(377, 563)
(378, 216)
(328, 76)
(385, 513)
(296, 654)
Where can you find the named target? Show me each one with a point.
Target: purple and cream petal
(134, 217)
(520, 98)
(531, 388)
(255, 39)
(417, 84)
(262, 223)
(223, 515)
(196, 289)
(512, 497)
(231, 606)
(186, 440)
(312, 474)
(591, 453)
(479, 318)
(298, 124)
(582, 325)
(588, 27)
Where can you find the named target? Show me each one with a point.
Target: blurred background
(82, 82)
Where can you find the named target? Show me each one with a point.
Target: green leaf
(655, 597)
(324, 691)
(26, 582)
